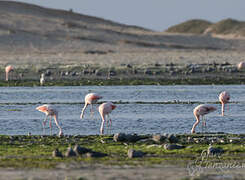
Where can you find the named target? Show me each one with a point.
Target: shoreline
(127, 74)
(34, 156)
(126, 82)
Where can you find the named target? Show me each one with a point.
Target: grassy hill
(228, 26)
(224, 27)
(195, 26)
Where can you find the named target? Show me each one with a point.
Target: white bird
(42, 79)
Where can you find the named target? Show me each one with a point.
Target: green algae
(36, 151)
(127, 81)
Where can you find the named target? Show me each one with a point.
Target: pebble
(95, 154)
(57, 153)
(215, 151)
(118, 137)
(172, 138)
(122, 137)
(153, 145)
(81, 150)
(70, 152)
(173, 146)
(134, 154)
(159, 138)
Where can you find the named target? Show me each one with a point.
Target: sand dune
(33, 35)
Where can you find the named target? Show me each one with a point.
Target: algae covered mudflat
(127, 74)
(37, 151)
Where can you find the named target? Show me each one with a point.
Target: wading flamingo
(224, 98)
(49, 110)
(104, 110)
(90, 99)
(201, 110)
(8, 69)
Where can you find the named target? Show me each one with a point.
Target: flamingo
(241, 65)
(90, 99)
(224, 98)
(42, 79)
(104, 110)
(201, 110)
(8, 69)
(51, 111)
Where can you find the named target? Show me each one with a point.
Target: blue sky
(152, 14)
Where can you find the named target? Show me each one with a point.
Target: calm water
(148, 115)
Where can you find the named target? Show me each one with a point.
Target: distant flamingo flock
(106, 108)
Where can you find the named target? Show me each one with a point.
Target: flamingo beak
(113, 107)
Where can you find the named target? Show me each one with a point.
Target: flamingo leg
(91, 111)
(195, 124)
(203, 124)
(102, 124)
(82, 113)
(110, 123)
(223, 109)
(44, 123)
(57, 124)
(7, 76)
(50, 125)
(107, 122)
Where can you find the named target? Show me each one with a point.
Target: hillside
(25, 26)
(228, 26)
(224, 27)
(195, 26)
(37, 37)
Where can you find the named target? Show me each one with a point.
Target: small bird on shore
(105, 109)
(8, 69)
(42, 79)
(90, 99)
(51, 111)
(201, 110)
(224, 98)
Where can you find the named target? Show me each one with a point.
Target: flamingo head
(9, 68)
(113, 106)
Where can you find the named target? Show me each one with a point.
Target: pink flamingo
(8, 69)
(52, 112)
(104, 110)
(90, 99)
(224, 98)
(241, 65)
(201, 110)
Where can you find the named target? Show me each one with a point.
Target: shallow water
(140, 109)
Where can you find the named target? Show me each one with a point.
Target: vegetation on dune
(228, 26)
(223, 27)
(195, 26)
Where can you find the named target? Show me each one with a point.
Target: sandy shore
(131, 173)
(139, 57)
